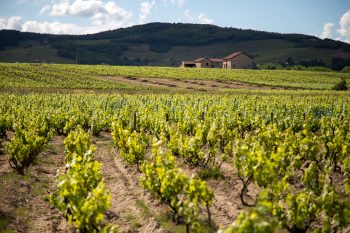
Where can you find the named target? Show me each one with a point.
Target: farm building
(204, 62)
(217, 62)
(239, 60)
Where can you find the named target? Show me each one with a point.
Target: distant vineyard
(294, 151)
(91, 77)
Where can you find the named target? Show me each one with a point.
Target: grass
(145, 211)
(211, 173)
(39, 189)
(53, 149)
(21, 212)
(4, 225)
(165, 220)
(133, 221)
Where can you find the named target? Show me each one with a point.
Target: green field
(88, 77)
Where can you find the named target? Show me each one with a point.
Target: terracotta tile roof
(232, 55)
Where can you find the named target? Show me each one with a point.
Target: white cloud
(77, 8)
(87, 8)
(344, 29)
(52, 28)
(103, 15)
(342, 32)
(46, 9)
(327, 30)
(145, 10)
(60, 8)
(201, 18)
(107, 14)
(13, 23)
(16, 23)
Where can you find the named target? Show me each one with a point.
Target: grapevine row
(293, 149)
(81, 194)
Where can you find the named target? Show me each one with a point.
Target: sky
(321, 18)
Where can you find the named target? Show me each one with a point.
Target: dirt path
(130, 205)
(47, 218)
(227, 205)
(200, 85)
(24, 201)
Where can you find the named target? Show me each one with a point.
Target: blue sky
(323, 18)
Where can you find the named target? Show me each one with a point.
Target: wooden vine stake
(135, 124)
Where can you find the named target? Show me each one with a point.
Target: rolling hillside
(164, 44)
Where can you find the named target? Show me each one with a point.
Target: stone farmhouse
(237, 60)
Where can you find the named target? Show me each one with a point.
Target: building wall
(217, 64)
(226, 65)
(204, 64)
(241, 61)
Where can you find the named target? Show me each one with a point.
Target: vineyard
(108, 78)
(170, 162)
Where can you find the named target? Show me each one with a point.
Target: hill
(165, 44)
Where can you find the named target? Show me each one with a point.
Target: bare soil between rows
(25, 206)
(191, 84)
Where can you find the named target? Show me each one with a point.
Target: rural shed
(217, 62)
(238, 60)
(203, 62)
